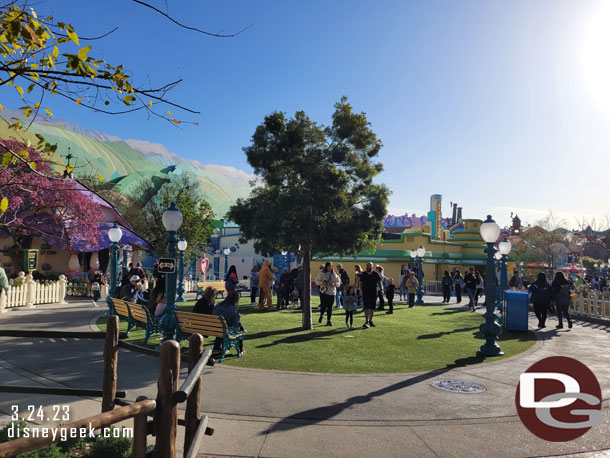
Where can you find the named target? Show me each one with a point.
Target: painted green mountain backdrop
(128, 162)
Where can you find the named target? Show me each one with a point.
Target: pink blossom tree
(37, 201)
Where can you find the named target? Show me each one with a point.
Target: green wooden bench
(209, 325)
(137, 316)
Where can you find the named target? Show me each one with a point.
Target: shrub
(110, 447)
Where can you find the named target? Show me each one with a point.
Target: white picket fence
(31, 293)
(596, 304)
(190, 286)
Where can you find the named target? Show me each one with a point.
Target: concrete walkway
(287, 414)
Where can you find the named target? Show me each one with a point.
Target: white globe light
(284, 253)
(182, 245)
(413, 254)
(595, 265)
(504, 246)
(172, 218)
(421, 251)
(490, 231)
(497, 256)
(226, 251)
(115, 233)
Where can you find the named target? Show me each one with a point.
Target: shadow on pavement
(320, 414)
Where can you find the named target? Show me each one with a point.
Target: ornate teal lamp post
(490, 232)
(421, 252)
(181, 247)
(114, 234)
(504, 248)
(172, 220)
(226, 251)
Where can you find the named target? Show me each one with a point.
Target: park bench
(138, 316)
(202, 285)
(209, 325)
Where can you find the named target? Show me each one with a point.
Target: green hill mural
(128, 162)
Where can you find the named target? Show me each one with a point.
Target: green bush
(50, 451)
(110, 447)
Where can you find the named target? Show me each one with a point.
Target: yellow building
(463, 250)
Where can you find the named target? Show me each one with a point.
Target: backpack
(564, 289)
(344, 277)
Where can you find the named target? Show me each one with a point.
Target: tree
(37, 202)
(544, 242)
(317, 192)
(41, 56)
(144, 213)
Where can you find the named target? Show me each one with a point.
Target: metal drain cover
(458, 386)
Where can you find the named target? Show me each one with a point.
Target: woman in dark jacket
(447, 283)
(563, 298)
(205, 305)
(231, 280)
(542, 295)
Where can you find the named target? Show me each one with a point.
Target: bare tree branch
(195, 29)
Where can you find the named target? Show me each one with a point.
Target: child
(95, 289)
(294, 297)
(350, 304)
(161, 305)
(389, 294)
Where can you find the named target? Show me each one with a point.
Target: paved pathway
(284, 414)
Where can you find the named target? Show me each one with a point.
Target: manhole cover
(458, 386)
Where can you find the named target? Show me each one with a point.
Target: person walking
(563, 298)
(369, 282)
(253, 284)
(381, 287)
(447, 284)
(458, 284)
(357, 273)
(541, 297)
(402, 292)
(412, 285)
(480, 287)
(327, 282)
(284, 290)
(389, 294)
(470, 281)
(231, 280)
(344, 276)
(350, 305)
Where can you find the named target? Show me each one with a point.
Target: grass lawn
(423, 338)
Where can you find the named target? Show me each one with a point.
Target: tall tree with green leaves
(317, 193)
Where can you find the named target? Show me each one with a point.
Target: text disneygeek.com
(63, 434)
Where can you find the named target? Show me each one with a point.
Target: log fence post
(193, 401)
(166, 415)
(111, 356)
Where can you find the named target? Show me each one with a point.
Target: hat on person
(134, 278)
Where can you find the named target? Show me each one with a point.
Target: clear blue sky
(491, 103)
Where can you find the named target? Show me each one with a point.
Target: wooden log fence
(164, 410)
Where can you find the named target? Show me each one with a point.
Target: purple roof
(129, 238)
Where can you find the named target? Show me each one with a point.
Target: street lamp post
(421, 252)
(498, 262)
(181, 247)
(504, 248)
(226, 251)
(490, 232)
(114, 234)
(172, 220)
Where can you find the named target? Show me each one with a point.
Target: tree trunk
(307, 324)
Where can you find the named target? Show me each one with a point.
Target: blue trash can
(515, 310)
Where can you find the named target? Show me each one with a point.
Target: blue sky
(497, 105)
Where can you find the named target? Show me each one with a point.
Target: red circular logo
(559, 399)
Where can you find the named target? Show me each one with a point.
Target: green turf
(423, 338)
